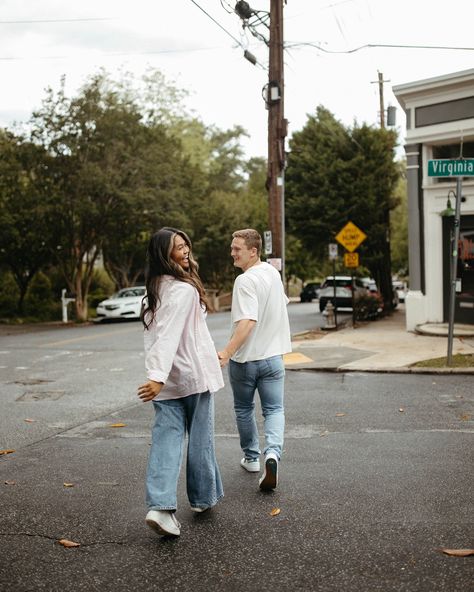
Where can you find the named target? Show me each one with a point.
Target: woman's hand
(149, 390)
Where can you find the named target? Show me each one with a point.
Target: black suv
(310, 292)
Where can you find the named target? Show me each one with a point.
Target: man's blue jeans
(195, 415)
(267, 376)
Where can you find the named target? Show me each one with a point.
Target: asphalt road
(376, 477)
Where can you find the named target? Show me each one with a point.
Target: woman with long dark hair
(183, 371)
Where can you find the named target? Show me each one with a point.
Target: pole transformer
(277, 131)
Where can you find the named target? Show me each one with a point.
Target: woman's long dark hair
(160, 263)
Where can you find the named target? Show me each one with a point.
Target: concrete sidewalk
(379, 346)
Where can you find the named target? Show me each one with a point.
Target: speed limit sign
(332, 250)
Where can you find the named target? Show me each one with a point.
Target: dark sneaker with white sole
(269, 479)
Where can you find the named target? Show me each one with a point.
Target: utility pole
(382, 107)
(277, 131)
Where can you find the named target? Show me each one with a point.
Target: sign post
(350, 237)
(459, 168)
(333, 257)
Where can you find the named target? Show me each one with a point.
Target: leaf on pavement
(10, 482)
(66, 543)
(401, 409)
(340, 414)
(68, 484)
(29, 420)
(117, 425)
(465, 416)
(457, 552)
(325, 433)
(6, 451)
(275, 512)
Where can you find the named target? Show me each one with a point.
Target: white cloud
(226, 89)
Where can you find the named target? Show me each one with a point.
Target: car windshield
(340, 283)
(130, 293)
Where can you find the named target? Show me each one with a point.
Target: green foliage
(399, 228)
(9, 294)
(336, 174)
(368, 307)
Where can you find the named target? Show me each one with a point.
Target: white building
(440, 122)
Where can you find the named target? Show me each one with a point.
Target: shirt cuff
(157, 376)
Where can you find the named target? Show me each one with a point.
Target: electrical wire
(71, 20)
(218, 24)
(374, 45)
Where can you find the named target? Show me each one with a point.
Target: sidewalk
(379, 346)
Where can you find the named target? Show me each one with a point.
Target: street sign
(267, 239)
(351, 259)
(463, 167)
(332, 251)
(350, 237)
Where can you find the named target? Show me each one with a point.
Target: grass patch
(458, 361)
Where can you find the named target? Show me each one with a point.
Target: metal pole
(454, 268)
(334, 286)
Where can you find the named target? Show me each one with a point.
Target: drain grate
(41, 395)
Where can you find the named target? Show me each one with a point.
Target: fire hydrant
(330, 318)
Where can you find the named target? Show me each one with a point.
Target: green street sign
(451, 168)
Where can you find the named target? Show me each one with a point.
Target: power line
(218, 24)
(107, 54)
(374, 45)
(71, 20)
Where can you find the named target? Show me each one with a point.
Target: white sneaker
(252, 465)
(196, 509)
(269, 479)
(163, 522)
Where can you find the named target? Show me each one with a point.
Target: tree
(399, 227)
(115, 177)
(336, 174)
(25, 208)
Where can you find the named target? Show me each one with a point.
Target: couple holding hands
(184, 371)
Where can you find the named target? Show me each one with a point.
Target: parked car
(373, 289)
(310, 292)
(401, 288)
(344, 287)
(125, 304)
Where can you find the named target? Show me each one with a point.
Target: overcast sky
(178, 38)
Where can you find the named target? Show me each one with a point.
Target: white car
(344, 287)
(125, 304)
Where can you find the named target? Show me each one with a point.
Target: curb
(401, 370)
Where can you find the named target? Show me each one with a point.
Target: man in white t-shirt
(260, 337)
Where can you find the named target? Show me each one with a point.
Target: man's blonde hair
(251, 238)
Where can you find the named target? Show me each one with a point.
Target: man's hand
(149, 390)
(224, 357)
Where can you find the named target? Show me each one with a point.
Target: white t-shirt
(258, 295)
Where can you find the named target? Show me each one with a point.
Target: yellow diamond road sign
(350, 237)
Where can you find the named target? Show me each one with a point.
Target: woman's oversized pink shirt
(179, 351)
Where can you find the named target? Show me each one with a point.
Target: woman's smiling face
(180, 252)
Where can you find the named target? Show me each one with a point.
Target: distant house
(440, 121)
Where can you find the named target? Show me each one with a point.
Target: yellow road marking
(85, 337)
(296, 358)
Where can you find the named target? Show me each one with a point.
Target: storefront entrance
(464, 310)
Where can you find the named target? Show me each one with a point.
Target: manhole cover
(41, 395)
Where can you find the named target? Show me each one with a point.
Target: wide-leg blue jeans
(192, 415)
(268, 377)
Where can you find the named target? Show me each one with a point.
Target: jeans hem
(163, 508)
(205, 505)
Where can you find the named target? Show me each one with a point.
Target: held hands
(224, 357)
(149, 390)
